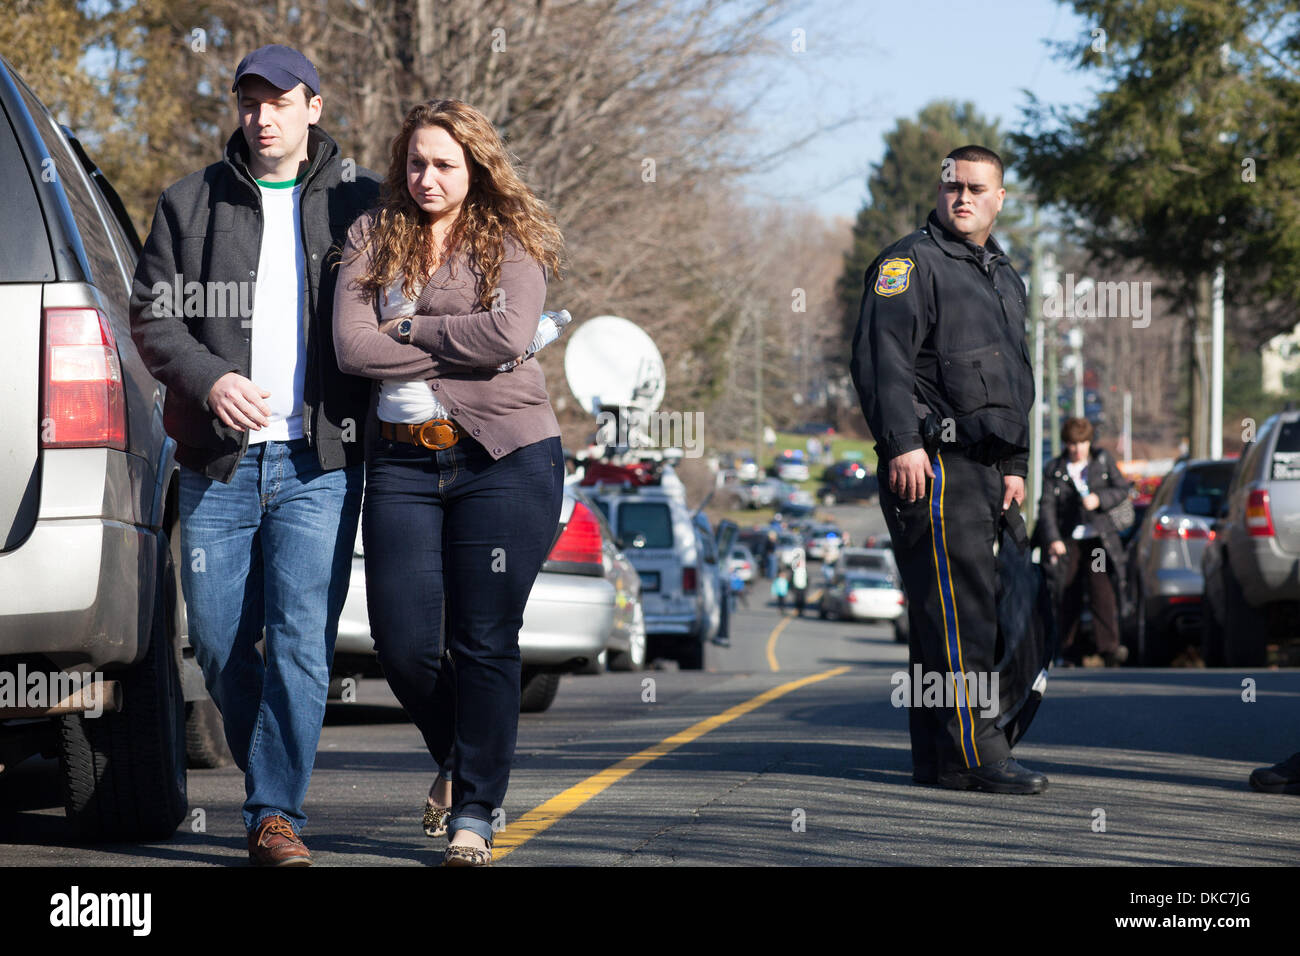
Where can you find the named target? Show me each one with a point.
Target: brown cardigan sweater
(455, 346)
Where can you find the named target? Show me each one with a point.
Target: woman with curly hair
(439, 287)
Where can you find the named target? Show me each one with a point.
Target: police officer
(943, 375)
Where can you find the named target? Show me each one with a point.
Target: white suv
(679, 578)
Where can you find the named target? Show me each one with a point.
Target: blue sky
(887, 60)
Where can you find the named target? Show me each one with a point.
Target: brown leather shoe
(274, 843)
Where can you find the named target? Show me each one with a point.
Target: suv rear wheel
(690, 653)
(1245, 628)
(124, 773)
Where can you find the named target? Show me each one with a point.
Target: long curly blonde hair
(498, 205)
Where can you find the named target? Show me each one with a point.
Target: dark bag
(1027, 635)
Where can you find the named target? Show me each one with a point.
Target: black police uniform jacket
(941, 335)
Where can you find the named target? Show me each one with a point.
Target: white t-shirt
(404, 401)
(279, 342)
(1075, 468)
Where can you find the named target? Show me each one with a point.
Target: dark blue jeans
(271, 550)
(457, 535)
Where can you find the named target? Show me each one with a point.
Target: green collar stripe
(286, 184)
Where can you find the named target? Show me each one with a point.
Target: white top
(1075, 468)
(278, 337)
(404, 401)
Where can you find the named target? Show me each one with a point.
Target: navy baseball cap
(281, 66)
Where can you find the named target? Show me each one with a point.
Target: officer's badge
(894, 276)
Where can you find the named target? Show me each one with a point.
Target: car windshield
(1203, 489)
(865, 561)
(869, 582)
(648, 518)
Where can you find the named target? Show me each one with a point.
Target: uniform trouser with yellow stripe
(943, 543)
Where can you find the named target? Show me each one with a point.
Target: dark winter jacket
(1060, 509)
(941, 334)
(192, 284)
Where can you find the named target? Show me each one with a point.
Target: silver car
(1252, 565)
(1164, 558)
(678, 563)
(579, 608)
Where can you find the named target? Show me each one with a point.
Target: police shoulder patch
(894, 276)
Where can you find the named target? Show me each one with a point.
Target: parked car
(1252, 564)
(742, 563)
(761, 493)
(791, 465)
(1164, 559)
(823, 542)
(796, 503)
(867, 596)
(815, 428)
(876, 560)
(89, 542)
(850, 482)
(584, 604)
(679, 573)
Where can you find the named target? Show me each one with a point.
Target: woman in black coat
(1081, 541)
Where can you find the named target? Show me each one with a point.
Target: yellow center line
(771, 642)
(544, 816)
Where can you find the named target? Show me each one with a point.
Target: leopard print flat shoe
(458, 855)
(435, 820)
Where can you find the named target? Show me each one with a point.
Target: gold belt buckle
(427, 434)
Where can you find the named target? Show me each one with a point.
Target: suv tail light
(84, 405)
(688, 580)
(578, 549)
(1259, 520)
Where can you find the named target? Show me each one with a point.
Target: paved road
(805, 764)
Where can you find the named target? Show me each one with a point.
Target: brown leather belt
(436, 434)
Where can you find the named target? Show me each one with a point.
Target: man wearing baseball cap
(267, 428)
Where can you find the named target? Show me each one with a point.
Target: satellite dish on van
(611, 363)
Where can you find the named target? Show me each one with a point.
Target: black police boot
(1005, 776)
(926, 776)
(1282, 777)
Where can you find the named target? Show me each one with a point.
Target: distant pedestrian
(780, 588)
(738, 590)
(1079, 487)
(799, 579)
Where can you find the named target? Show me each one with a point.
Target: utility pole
(1035, 319)
(758, 387)
(1216, 366)
(1128, 425)
(1053, 387)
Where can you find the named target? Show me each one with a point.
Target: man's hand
(1056, 550)
(907, 474)
(238, 403)
(1091, 502)
(1013, 489)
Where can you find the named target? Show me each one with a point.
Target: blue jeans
(458, 534)
(272, 549)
